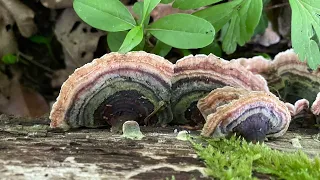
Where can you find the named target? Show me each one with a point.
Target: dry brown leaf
(22, 15)
(57, 4)
(268, 38)
(79, 42)
(166, 9)
(8, 44)
(18, 100)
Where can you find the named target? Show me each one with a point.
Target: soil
(31, 150)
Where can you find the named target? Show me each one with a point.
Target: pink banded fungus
(116, 88)
(251, 114)
(195, 76)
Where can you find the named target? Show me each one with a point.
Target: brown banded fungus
(298, 107)
(289, 78)
(195, 76)
(315, 108)
(116, 88)
(251, 114)
(297, 80)
(256, 64)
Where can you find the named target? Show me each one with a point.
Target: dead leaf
(22, 15)
(79, 41)
(57, 4)
(8, 44)
(165, 9)
(268, 38)
(19, 100)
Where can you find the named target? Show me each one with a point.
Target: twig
(30, 59)
(276, 6)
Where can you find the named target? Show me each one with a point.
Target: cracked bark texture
(31, 150)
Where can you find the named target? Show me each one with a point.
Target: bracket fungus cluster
(297, 80)
(195, 76)
(116, 88)
(152, 91)
(251, 114)
(146, 88)
(290, 78)
(298, 107)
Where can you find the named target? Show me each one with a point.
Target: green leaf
(138, 9)
(265, 2)
(305, 30)
(220, 14)
(262, 25)
(185, 52)
(265, 55)
(9, 59)
(108, 15)
(148, 6)
(161, 49)
(115, 39)
(192, 4)
(140, 46)
(166, 1)
(40, 39)
(133, 38)
(264, 21)
(243, 17)
(183, 31)
(213, 48)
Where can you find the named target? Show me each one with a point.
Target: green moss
(172, 178)
(236, 159)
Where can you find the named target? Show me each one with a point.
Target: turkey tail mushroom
(115, 88)
(315, 108)
(298, 107)
(195, 76)
(251, 114)
(297, 79)
(291, 79)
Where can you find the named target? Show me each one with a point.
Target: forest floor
(31, 150)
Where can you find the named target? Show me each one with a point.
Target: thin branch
(276, 6)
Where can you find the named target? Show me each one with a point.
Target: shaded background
(43, 41)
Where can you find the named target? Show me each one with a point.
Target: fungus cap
(315, 108)
(195, 76)
(253, 114)
(115, 87)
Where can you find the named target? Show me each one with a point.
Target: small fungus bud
(131, 130)
(254, 115)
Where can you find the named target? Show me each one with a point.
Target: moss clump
(236, 159)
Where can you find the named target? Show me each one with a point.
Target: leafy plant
(305, 30)
(191, 4)
(38, 39)
(227, 159)
(241, 18)
(238, 21)
(182, 31)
